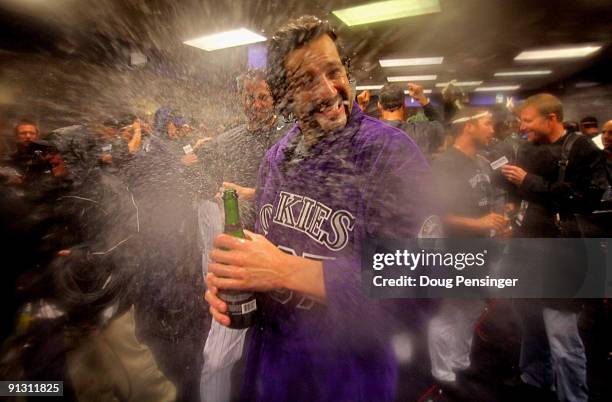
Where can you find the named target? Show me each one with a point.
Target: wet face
(172, 131)
(606, 136)
(318, 86)
(482, 131)
(26, 133)
(257, 102)
(535, 125)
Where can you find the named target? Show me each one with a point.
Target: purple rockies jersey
(321, 203)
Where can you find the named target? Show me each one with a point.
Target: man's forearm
(305, 276)
(462, 222)
(248, 193)
(134, 143)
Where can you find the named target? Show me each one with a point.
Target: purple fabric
(366, 180)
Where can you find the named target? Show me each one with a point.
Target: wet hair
(467, 115)
(391, 97)
(163, 116)
(545, 104)
(25, 121)
(291, 36)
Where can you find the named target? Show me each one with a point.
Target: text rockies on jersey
(308, 216)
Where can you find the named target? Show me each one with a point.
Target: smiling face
(535, 125)
(318, 86)
(257, 102)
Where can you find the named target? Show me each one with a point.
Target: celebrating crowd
(116, 254)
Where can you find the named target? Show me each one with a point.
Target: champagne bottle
(241, 305)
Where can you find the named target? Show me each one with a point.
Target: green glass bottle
(241, 305)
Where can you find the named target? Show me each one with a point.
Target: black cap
(589, 122)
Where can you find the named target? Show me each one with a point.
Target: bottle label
(250, 306)
(242, 308)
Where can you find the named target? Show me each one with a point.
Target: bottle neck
(232, 218)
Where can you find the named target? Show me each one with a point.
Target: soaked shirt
(322, 202)
(116, 147)
(429, 135)
(235, 156)
(462, 187)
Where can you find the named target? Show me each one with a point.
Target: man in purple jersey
(337, 178)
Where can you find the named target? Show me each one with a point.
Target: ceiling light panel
(557, 53)
(409, 78)
(417, 61)
(222, 40)
(386, 10)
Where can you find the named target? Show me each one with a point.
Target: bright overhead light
(386, 10)
(425, 91)
(498, 88)
(222, 40)
(412, 78)
(418, 61)
(521, 73)
(557, 53)
(459, 84)
(368, 87)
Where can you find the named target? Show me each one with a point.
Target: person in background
(36, 166)
(589, 127)
(552, 351)
(112, 150)
(232, 160)
(507, 140)
(132, 130)
(464, 191)
(31, 179)
(170, 313)
(369, 104)
(427, 134)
